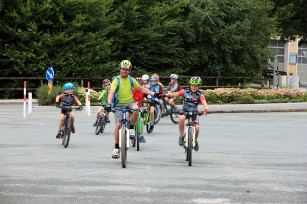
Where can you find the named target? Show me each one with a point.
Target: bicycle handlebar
(69, 108)
(191, 113)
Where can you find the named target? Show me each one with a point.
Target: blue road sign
(49, 74)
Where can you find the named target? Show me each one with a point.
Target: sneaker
(95, 123)
(73, 130)
(108, 120)
(196, 146)
(181, 141)
(142, 139)
(131, 134)
(115, 154)
(59, 135)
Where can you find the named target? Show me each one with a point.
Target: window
(293, 59)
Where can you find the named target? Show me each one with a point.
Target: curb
(259, 111)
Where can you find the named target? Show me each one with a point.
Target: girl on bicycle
(67, 99)
(103, 99)
(138, 97)
(192, 97)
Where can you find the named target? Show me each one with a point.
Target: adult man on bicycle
(125, 100)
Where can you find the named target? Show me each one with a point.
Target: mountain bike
(139, 127)
(189, 133)
(123, 132)
(101, 123)
(66, 127)
(147, 115)
(170, 110)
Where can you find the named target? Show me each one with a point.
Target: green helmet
(195, 80)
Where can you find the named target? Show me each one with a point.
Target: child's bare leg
(61, 121)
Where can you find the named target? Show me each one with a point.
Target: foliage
(292, 18)
(89, 38)
(249, 95)
(43, 97)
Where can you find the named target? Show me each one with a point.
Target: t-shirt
(138, 97)
(104, 98)
(191, 99)
(67, 100)
(154, 88)
(124, 93)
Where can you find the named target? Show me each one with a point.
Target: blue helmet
(68, 86)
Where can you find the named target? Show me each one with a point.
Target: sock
(116, 146)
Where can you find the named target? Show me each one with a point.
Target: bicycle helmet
(68, 86)
(139, 80)
(106, 81)
(125, 64)
(145, 77)
(195, 80)
(173, 76)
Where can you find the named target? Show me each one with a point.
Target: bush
(43, 97)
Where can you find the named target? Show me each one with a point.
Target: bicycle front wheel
(174, 115)
(190, 146)
(123, 149)
(66, 132)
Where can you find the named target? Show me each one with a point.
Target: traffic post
(24, 98)
(88, 99)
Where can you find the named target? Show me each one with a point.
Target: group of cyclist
(131, 93)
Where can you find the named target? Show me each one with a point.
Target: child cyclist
(172, 87)
(138, 97)
(67, 99)
(154, 87)
(192, 97)
(103, 99)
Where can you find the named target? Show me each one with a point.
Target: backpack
(179, 87)
(115, 99)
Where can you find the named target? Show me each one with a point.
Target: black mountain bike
(101, 123)
(66, 127)
(171, 111)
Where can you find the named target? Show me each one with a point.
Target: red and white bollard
(24, 98)
(88, 99)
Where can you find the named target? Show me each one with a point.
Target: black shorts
(63, 111)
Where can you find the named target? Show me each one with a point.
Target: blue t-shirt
(154, 88)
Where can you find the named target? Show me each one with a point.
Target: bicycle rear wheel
(66, 132)
(174, 115)
(190, 146)
(123, 149)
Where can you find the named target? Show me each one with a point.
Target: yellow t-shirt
(124, 93)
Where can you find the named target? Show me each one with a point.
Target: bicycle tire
(103, 124)
(148, 123)
(137, 133)
(67, 130)
(190, 145)
(98, 126)
(158, 113)
(123, 149)
(174, 116)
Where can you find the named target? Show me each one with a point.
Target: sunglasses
(154, 79)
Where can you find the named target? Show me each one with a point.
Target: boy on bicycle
(172, 87)
(192, 97)
(103, 99)
(123, 87)
(67, 99)
(138, 97)
(154, 87)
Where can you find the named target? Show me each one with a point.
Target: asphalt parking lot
(243, 158)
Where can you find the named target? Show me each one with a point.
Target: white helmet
(173, 76)
(145, 77)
